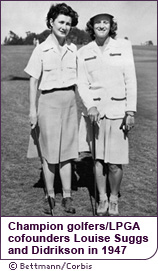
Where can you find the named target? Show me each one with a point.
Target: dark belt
(58, 89)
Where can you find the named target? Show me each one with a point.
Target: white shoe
(113, 205)
(102, 207)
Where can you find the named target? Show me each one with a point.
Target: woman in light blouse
(52, 70)
(107, 86)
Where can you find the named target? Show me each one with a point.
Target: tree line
(76, 36)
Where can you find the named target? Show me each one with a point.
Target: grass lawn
(20, 194)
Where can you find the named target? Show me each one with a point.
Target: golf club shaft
(94, 165)
(44, 178)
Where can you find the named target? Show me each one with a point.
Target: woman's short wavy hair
(90, 28)
(64, 9)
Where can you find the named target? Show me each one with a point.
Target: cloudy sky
(136, 19)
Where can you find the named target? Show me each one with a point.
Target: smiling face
(102, 26)
(61, 26)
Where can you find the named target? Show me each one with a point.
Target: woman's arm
(130, 78)
(32, 99)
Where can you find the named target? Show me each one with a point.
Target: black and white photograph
(78, 109)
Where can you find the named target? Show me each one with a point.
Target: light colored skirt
(111, 144)
(58, 127)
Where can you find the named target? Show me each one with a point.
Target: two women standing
(107, 86)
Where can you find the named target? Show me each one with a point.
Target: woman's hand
(93, 114)
(33, 118)
(129, 122)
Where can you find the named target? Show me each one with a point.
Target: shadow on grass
(82, 176)
(15, 78)
(57, 182)
(84, 170)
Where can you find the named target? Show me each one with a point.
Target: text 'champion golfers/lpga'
(72, 227)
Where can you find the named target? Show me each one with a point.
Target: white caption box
(78, 238)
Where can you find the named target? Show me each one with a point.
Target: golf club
(50, 202)
(94, 166)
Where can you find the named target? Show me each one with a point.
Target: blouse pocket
(70, 69)
(91, 64)
(70, 73)
(50, 61)
(117, 106)
(116, 59)
(50, 71)
(49, 66)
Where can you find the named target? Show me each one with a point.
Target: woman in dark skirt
(52, 70)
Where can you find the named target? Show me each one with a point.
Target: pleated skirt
(58, 127)
(111, 143)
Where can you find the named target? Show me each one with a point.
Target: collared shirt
(52, 67)
(107, 79)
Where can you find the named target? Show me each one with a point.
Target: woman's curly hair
(90, 28)
(64, 9)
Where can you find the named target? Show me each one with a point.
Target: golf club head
(52, 212)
